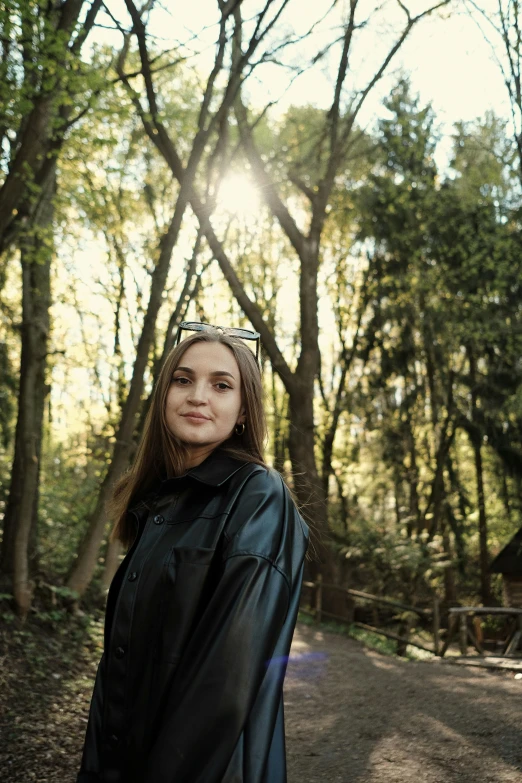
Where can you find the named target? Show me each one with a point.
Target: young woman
(201, 612)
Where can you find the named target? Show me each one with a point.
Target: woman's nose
(197, 394)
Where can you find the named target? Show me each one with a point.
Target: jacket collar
(214, 471)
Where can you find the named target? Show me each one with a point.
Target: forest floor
(353, 715)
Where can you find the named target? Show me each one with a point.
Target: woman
(201, 612)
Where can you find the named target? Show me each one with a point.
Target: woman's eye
(222, 386)
(180, 380)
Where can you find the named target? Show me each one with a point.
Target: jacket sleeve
(90, 764)
(224, 663)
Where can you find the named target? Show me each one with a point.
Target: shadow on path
(356, 716)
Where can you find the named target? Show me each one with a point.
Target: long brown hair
(161, 455)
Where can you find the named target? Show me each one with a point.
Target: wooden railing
(428, 616)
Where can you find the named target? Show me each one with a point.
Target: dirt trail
(352, 715)
(355, 716)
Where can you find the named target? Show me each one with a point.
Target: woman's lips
(195, 417)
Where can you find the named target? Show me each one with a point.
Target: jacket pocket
(186, 575)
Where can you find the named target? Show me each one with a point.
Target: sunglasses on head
(231, 331)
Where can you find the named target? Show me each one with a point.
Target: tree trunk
(437, 494)
(485, 582)
(450, 588)
(345, 509)
(476, 442)
(83, 568)
(506, 499)
(306, 481)
(457, 523)
(279, 425)
(36, 252)
(311, 500)
(112, 561)
(415, 521)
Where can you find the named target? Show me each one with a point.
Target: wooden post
(318, 598)
(477, 629)
(463, 635)
(404, 632)
(436, 625)
(474, 641)
(452, 626)
(514, 642)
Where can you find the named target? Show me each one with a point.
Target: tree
(502, 30)
(337, 134)
(41, 75)
(214, 108)
(36, 252)
(443, 326)
(41, 50)
(476, 247)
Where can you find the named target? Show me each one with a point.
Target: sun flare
(238, 195)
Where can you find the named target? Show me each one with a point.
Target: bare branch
(334, 113)
(218, 64)
(160, 138)
(303, 187)
(412, 21)
(87, 26)
(511, 72)
(406, 10)
(267, 186)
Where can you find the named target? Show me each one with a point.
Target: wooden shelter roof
(509, 559)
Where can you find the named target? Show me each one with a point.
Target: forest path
(352, 715)
(356, 716)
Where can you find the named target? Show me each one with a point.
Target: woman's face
(204, 399)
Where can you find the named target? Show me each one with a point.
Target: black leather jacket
(199, 621)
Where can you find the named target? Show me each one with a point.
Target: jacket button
(113, 740)
(132, 576)
(119, 652)
(158, 519)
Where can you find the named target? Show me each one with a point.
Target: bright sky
(452, 65)
(449, 62)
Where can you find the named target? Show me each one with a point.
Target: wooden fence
(428, 616)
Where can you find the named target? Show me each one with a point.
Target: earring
(239, 429)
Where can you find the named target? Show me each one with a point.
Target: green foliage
(301, 143)
(70, 480)
(38, 65)
(390, 562)
(445, 272)
(485, 160)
